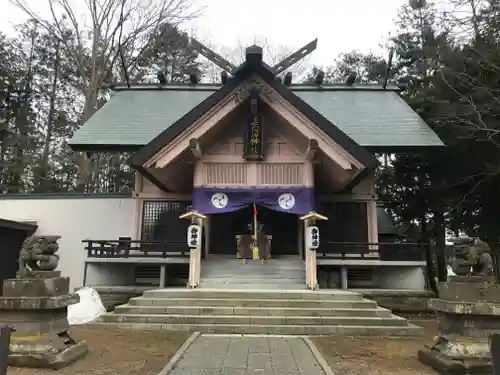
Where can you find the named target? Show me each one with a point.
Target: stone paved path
(219, 355)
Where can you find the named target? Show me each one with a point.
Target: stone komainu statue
(471, 257)
(38, 253)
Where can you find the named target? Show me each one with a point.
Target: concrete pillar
(163, 274)
(343, 277)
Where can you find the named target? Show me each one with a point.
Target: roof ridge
(215, 87)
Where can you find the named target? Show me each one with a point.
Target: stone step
(293, 260)
(269, 263)
(255, 264)
(245, 302)
(236, 276)
(253, 311)
(254, 294)
(110, 304)
(270, 273)
(409, 330)
(248, 268)
(274, 275)
(252, 270)
(267, 286)
(254, 320)
(252, 280)
(252, 275)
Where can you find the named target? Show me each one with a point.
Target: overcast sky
(339, 25)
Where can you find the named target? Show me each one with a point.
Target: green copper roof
(136, 117)
(371, 117)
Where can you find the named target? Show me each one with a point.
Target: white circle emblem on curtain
(286, 201)
(219, 200)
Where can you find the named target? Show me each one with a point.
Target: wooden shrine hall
(258, 167)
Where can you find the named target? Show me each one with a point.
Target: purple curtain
(291, 200)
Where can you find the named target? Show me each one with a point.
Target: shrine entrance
(280, 226)
(254, 145)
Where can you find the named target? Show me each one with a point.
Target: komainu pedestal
(36, 303)
(468, 312)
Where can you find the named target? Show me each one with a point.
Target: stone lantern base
(36, 305)
(468, 314)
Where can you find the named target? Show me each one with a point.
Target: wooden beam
(295, 57)
(212, 56)
(194, 145)
(351, 182)
(146, 172)
(203, 124)
(193, 215)
(313, 216)
(347, 198)
(312, 149)
(168, 176)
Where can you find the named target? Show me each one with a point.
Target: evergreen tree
(168, 50)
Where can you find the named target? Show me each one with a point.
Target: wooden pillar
(306, 254)
(371, 212)
(138, 219)
(313, 269)
(195, 253)
(206, 250)
(192, 264)
(310, 255)
(138, 206)
(194, 267)
(199, 221)
(300, 239)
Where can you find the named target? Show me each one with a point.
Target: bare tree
(272, 55)
(464, 18)
(95, 46)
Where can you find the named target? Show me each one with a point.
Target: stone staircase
(257, 298)
(286, 272)
(286, 312)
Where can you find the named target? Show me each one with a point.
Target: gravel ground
(376, 355)
(115, 352)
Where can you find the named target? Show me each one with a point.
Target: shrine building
(254, 161)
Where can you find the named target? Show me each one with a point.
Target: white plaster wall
(109, 274)
(408, 278)
(74, 219)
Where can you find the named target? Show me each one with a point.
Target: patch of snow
(88, 309)
(450, 271)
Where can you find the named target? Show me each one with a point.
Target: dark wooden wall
(10, 244)
(347, 222)
(161, 222)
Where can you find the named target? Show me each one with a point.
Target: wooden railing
(388, 251)
(126, 248)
